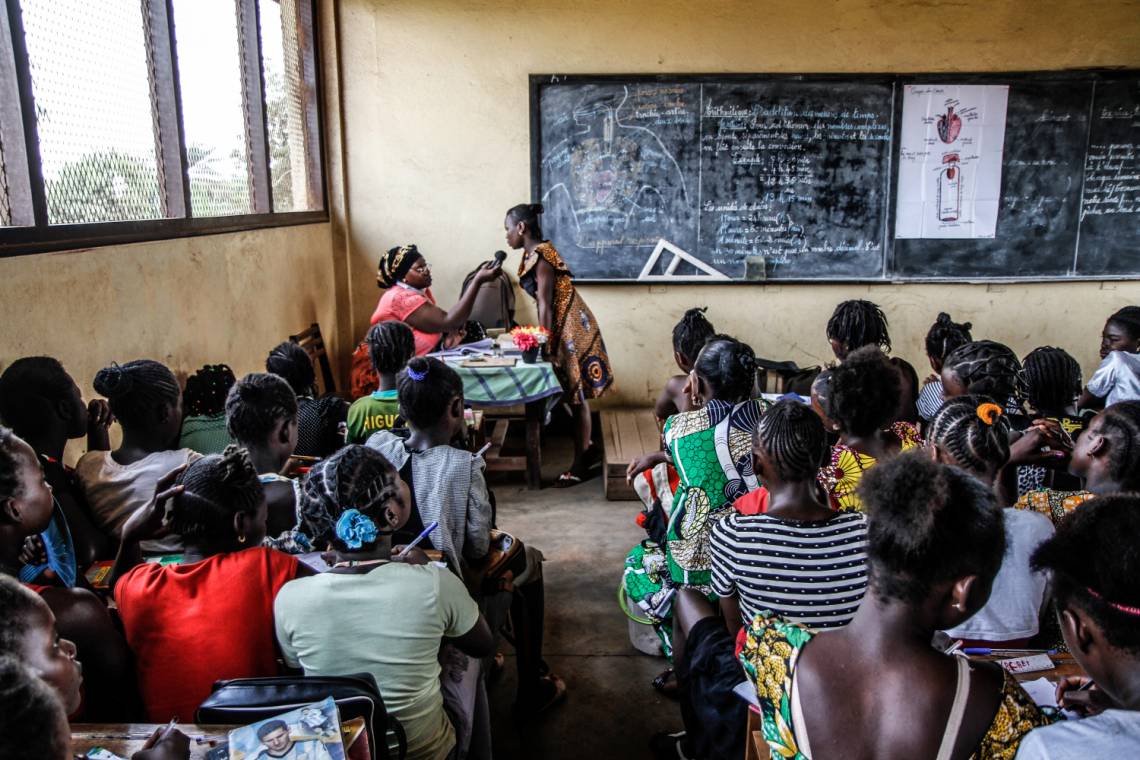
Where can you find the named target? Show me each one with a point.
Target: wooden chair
(784, 377)
(314, 346)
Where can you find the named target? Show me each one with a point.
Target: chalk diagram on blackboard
(622, 183)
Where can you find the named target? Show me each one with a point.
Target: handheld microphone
(500, 257)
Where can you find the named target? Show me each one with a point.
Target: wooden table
(124, 739)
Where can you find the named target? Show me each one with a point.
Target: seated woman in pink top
(406, 276)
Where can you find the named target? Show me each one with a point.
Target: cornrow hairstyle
(859, 323)
(10, 484)
(928, 523)
(1052, 378)
(794, 438)
(528, 214)
(945, 335)
(424, 388)
(728, 366)
(206, 390)
(865, 391)
(289, 360)
(988, 368)
(390, 345)
(356, 477)
(255, 405)
(32, 723)
(136, 389)
(691, 333)
(1129, 319)
(28, 386)
(975, 431)
(18, 603)
(215, 488)
(1095, 566)
(1120, 424)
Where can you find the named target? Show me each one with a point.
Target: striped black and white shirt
(814, 573)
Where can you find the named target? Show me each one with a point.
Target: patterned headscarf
(395, 264)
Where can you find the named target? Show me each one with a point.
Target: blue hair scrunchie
(417, 376)
(354, 529)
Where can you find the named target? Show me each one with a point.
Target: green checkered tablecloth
(508, 386)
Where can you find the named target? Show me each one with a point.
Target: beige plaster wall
(435, 111)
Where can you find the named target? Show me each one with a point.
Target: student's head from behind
(289, 361)
(1052, 379)
(36, 391)
(222, 504)
(28, 633)
(1107, 453)
(144, 397)
(274, 734)
(971, 432)
(206, 390)
(352, 498)
(391, 345)
(523, 221)
(431, 395)
(865, 391)
(33, 722)
(725, 369)
(821, 400)
(1095, 566)
(855, 324)
(943, 337)
(1121, 332)
(935, 537)
(689, 336)
(789, 445)
(26, 501)
(985, 368)
(261, 411)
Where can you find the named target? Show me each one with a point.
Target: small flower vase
(530, 356)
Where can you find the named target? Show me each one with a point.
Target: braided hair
(690, 334)
(390, 345)
(215, 489)
(528, 214)
(424, 388)
(865, 391)
(256, 404)
(928, 523)
(1095, 566)
(1129, 319)
(29, 387)
(945, 335)
(988, 368)
(794, 438)
(1052, 378)
(33, 722)
(1120, 424)
(728, 366)
(974, 431)
(859, 323)
(206, 390)
(289, 360)
(136, 389)
(356, 477)
(10, 483)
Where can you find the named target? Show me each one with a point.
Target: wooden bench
(626, 434)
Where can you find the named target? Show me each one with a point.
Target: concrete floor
(610, 710)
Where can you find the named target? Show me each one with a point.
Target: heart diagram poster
(950, 152)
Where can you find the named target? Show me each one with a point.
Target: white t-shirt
(1117, 378)
(1013, 610)
(115, 491)
(1113, 733)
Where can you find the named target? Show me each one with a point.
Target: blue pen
(987, 652)
(420, 537)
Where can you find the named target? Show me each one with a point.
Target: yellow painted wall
(435, 111)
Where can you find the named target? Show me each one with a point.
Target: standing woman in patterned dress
(577, 350)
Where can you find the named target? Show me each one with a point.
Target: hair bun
(113, 381)
(537, 208)
(943, 319)
(989, 412)
(235, 465)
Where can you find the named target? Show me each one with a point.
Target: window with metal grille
(141, 119)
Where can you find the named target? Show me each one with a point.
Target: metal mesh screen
(284, 105)
(93, 109)
(209, 71)
(5, 208)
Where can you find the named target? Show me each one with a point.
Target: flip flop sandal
(666, 683)
(567, 479)
(552, 690)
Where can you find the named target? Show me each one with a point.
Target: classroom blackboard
(741, 178)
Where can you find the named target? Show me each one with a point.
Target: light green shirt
(389, 623)
(367, 415)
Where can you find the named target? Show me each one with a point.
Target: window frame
(22, 170)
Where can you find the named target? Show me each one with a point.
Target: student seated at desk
(1118, 376)
(689, 335)
(204, 426)
(1096, 589)
(1052, 385)
(33, 722)
(209, 617)
(858, 323)
(145, 399)
(372, 612)
(943, 337)
(391, 345)
(320, 421)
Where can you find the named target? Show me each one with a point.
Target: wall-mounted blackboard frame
(1046, 248)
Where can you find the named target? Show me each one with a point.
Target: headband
(395, 264)
(1134, 611)
(989, 412)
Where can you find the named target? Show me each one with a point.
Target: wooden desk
(124, 739)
